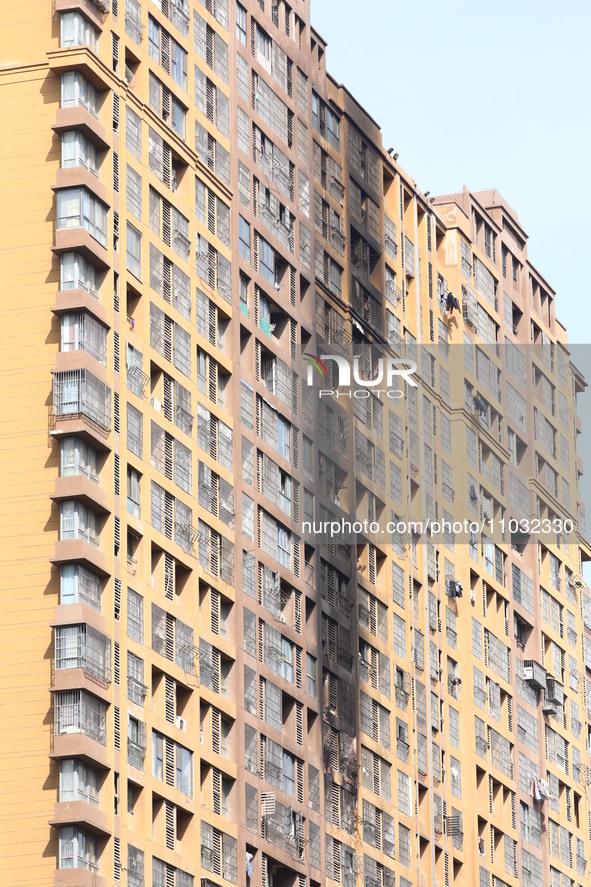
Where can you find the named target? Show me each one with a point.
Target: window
(133, 491)
(77, 457)
(78, 782)
(81, 332)
(135, 616)
(78, 849)
(244, 238)
(287, 659)
(310, 675)
(78, 273)
(184, 770)
(266, 260)
(157, 755)
(241, 24)
(79, 585)
(78, 92)
(75, 30)
(76, 207)
(167, 52)
(134, 251)
(78, 151)
(77, 521)
(332, 129)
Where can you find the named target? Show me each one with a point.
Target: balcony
(76, 812)
(74, 300)
(83, 552)
(78, 239)
(78, 878)
(83, 120)
(84, 489)
(79, 395)
(79, 728)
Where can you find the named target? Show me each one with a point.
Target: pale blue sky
(484, 95)
(487, 95)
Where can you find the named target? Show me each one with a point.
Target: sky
(487, 95)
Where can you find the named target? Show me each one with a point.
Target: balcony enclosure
(77, 521)
(81, 332)
(76, 711)
(79, 586)
(78, 392)
(81, 646)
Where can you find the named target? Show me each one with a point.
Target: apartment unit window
(167, 106)
(77, 207)
(81, 332)
(311, 666)
(167, 52)
(79, 585)
(78, 782)
(77, 521)
(76, 711)
(133, 491)
(325, 121)
(81, 646)
(244, 238)
(134, 251)
(266, 260)
(183, 762)
(241, 24)
(78, 151)
(78, 457)
(135, 616)
(78, 273)
(78, 92)
(78, 849)
(75, 30)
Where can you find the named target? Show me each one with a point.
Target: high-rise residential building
(197, 688)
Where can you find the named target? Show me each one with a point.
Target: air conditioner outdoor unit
(473, 492)
(156, 404)
(181, 724)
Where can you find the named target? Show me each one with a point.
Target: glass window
(266, 260)
(244, 238)
(77, 457)
(78, 522)
(77, 273)
(287, 657)
(332, 129)
(283, 437)
(184, 770)
(133, 491)
(178, 120)
(241, 23)
(157, 755)
(78, 91)
(76, 207)
(76, 30)
(78, 151)
(134, 251)
(310, 675)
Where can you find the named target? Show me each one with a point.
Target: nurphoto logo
(387, 369)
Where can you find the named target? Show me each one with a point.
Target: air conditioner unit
(181, 724)
(156, 404)
(473, 492)
(473, 597)
(534, 673)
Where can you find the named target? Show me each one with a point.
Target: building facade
(196, 686)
